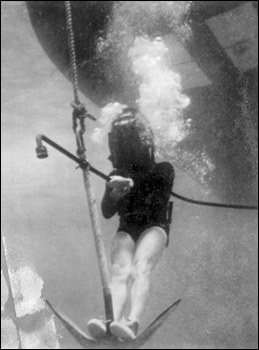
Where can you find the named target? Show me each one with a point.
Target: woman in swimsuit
(138, 191)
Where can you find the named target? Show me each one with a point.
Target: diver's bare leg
(122, 253)
(149, 249)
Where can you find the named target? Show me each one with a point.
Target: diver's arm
(109, 205)
(117, 188)
(120, 185)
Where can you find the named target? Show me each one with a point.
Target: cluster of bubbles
(132, 19)
(136, 62)
(161, 100)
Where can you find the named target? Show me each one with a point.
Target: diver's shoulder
(113, 172)
(165, 167)
(118, 172)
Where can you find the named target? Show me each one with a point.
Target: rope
(79, 110)
(80, 113)
(217, 205)
(72, 52)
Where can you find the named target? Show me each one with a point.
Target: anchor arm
(99, 245)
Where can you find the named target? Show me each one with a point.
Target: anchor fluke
(111, 342)
(83, 339)
(159, 321)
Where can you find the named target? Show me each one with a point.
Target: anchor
(109, 341)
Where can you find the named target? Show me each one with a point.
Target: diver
(139, 191)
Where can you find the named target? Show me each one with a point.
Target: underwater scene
(190, 69)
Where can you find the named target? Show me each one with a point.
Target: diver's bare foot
(97, 328)
(124, 330)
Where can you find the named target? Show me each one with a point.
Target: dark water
(211, 262)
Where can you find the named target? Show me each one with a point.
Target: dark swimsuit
(147, 204)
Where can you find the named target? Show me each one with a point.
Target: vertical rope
(72, 52)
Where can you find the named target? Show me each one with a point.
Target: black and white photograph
(129, 174)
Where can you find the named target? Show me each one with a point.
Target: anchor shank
(99, 244)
